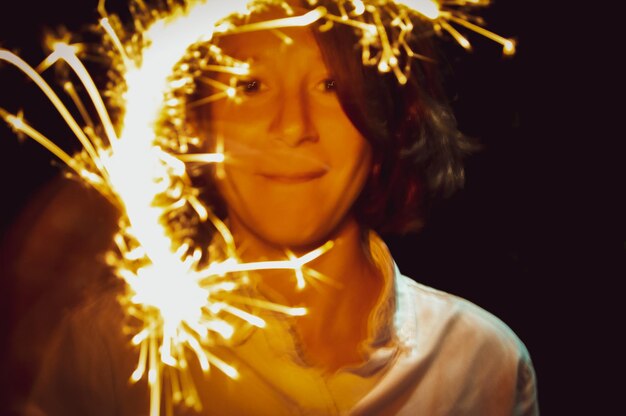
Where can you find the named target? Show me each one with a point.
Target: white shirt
(429, 353)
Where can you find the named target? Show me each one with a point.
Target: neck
(346, 264)
(339, 308)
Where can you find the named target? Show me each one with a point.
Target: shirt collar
(380, 324)
(380, 347)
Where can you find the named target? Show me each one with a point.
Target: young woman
(323, 148)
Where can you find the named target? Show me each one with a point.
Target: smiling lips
(292, 177)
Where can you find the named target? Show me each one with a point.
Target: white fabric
(429, 353)
(454, 359)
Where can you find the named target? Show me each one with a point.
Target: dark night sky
(523, 239)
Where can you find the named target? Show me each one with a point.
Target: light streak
(203, 158)
(18, 124)
(179, 303)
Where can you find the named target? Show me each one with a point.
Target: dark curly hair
(418, 150)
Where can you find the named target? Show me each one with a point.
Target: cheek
(283, 214)
(355, 168)
(295, 215)
(348, 150)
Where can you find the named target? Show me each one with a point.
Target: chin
(298, 228)
(297, 238)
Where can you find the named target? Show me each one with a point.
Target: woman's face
(294, 162)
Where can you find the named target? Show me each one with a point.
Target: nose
(292, 122)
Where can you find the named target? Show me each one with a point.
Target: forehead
(272, 45)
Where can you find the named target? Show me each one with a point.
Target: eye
(327, 85)
(250, 86)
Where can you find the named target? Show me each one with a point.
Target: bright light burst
(182, 302)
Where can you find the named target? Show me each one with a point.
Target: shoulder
(464, 341)
(432, 312)
(87, 366)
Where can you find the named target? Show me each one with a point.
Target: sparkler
(180, 303)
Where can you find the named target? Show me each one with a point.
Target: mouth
(292, 177)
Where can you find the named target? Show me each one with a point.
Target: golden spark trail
(68, 54)
(71, 91)
(20, 125)
(204, 158)
(230, 266)
(56, 101)
(297, 21)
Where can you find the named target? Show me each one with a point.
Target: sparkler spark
(181, 304)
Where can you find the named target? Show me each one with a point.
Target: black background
(524, 239)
